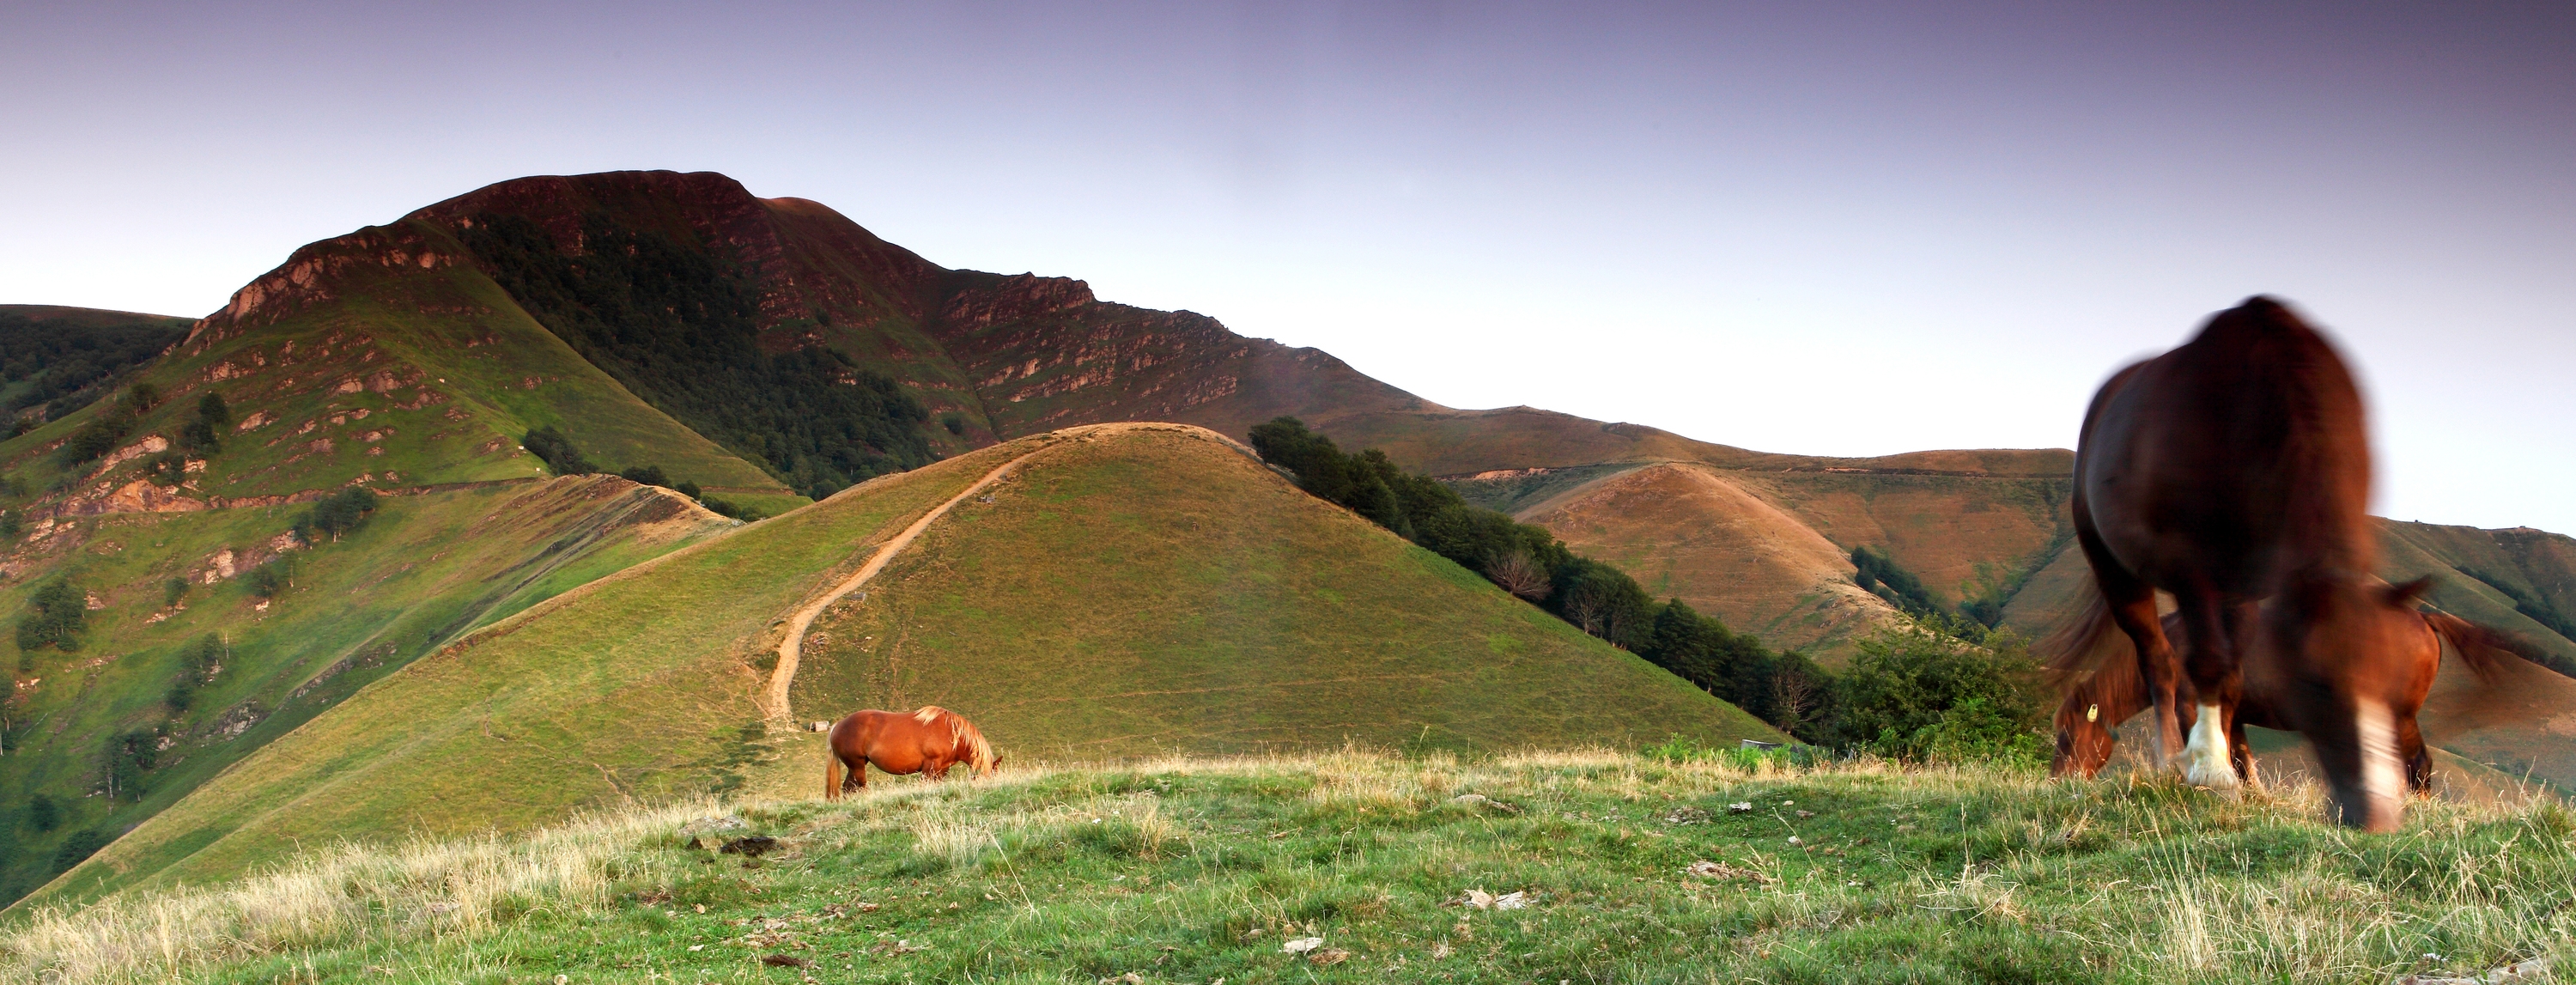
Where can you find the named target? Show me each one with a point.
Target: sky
(1817, 228)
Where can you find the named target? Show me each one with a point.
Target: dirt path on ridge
(793, 646)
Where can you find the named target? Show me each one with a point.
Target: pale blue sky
(1828, 229)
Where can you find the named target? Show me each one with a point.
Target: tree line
(1938, 686)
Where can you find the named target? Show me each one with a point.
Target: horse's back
(2221, 459)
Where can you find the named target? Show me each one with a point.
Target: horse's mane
(962, 732)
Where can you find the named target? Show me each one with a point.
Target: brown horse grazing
(928, 742)
(2230, 470)
(2097, 704)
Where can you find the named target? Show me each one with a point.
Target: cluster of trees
(199, 662)
(68, 365)
(1939, 687)
(680, 328)
(559, 454)
(56, 613)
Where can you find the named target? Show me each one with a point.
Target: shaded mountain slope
(1009, 355)
(54, 359)
(645, 684)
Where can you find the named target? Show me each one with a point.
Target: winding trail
(792, 647)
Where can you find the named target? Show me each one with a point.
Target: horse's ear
(2404, 596)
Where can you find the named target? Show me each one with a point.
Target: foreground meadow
(1581, 867)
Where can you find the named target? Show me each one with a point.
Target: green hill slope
(647, 684)
(1162, 592)
(93, 732)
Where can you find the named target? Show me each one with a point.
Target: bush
(337, 514)
(1926, 691)
(56, 613)
(44, 813)
(172, 591)
(10, 524)
(550, 446)
(726, 507)
(81, 845)
(269, 579)
(649, 475)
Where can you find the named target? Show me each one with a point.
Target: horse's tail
(2087, 644)
(831, 773)
(2481, 648)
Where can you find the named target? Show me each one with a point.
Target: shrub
(726, 507)
(267, 580)
(336, 514)
(650, 475)
(44, 813)
(81, 845)
(172, 591)
(551, 447)
(1925, 691)
(10, 524)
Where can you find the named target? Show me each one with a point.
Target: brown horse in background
(2234, 469)
(2097, 704)
(928, 742)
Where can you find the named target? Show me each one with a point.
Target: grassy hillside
(1162, 592)
(1586, 867)
(375, 359)
(643, 685)
(421, 571)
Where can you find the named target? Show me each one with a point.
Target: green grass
(422, 571)
(1194, 870)
(1160, 592)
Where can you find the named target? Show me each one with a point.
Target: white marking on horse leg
(2205, 761)
(2383, 774)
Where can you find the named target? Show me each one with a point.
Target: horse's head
(2084, 740)
(2344, 641)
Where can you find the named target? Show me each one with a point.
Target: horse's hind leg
(2419, 759)
(2239, 754)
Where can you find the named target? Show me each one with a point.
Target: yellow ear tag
(2093, 713)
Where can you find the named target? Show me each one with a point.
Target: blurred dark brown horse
(2098, 703)
(928, 742)
(2234, 469)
